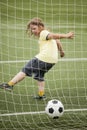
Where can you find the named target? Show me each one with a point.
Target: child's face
(35, 30)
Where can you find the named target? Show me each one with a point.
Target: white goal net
(66, 81)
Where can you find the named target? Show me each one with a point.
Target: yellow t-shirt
(48, 48)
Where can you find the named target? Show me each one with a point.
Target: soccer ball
(54, 108)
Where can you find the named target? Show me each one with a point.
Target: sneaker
(40, 97)
(6, 87)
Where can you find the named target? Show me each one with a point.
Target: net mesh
(66, 81)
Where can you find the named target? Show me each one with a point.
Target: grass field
(67, 79)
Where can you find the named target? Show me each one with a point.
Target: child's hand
(62, 54)
(70, 35)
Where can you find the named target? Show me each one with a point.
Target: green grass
(67, 79)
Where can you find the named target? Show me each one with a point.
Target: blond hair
(34, 21)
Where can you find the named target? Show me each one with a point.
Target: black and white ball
(54, 108)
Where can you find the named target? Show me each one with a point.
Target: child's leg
(9, 86)
(20, 76)
(41, 85)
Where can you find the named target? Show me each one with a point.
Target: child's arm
(60, 48)
(69, 35)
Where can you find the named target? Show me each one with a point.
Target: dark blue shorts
(37, 68)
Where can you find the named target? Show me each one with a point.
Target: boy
(49, 44)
